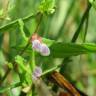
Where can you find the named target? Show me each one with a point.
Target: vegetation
(47, 48)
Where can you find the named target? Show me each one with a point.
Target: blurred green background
(59, 26)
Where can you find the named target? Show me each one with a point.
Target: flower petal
(36, 73)
(36, 45)
(44, 50)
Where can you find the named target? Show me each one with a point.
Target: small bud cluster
(38, 46)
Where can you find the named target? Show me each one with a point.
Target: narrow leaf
(61, 50)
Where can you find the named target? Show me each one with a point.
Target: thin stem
(13, 23)
(6, 74)
(5, 88)
(36, 30)
(76, 34)
(50, 70)
(86, 27)
(65, 21)
(22, 52)
(33, 61)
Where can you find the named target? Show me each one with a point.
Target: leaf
(10, 65)
(47, 6)
(93, 2)
(21, 26)
(24, 70)
(48, 41)
(5, 88)
(15, 22)
(20, 61)
(61, 50)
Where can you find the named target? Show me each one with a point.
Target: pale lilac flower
(36, 45)
(36, 73)
(44, 50)
(40, 47)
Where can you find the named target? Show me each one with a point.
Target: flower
(39, 46)
(36, 45)
(36, 73)
(44, 50)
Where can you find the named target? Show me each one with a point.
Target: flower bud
(36, 73)
(36, 45)
(34, 37)
(44, 50)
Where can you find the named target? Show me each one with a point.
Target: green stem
(21, 26)
(50, 70)
(76, 34)
(15, 22)
(5, 88)
(24, 49)
(33, 61)
(65, 21)
(86, 27)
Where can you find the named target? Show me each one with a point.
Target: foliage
(66, 27)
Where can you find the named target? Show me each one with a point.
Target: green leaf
(15, 22)
(20, 61)
(61, 50)
(5, 88)
(10, 65)
(21, 26)
(48, 41)
(47, 6)
(93, 2)
(94, 5)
